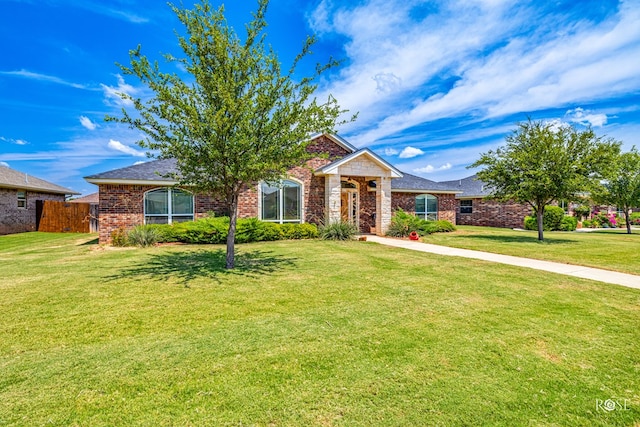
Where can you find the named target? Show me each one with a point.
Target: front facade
(474, 207)
(19, 194)
(340, 184)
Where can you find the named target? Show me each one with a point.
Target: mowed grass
(305, 333)
(611, 249)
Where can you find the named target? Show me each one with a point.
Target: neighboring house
(474, 208)
(92, 199)
(19, 193)
(344, 184)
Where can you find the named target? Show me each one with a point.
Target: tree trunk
(539, 217)
(627, 220)
(231, 236)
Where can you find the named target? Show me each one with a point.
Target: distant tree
(543, 162)
(235, 118)
(621, 186)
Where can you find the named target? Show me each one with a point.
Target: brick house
(344, 183)
(19, 193)
(473, 208)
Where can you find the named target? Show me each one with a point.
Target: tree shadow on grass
(89, 242)
(187, 266)
(520, 239)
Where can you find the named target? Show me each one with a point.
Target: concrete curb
(606, 276)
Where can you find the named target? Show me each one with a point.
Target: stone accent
(361, 166)
(332, 191)
(492, 213)
(20, 220)
(383, 205)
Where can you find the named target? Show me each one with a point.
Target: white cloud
(499, 59)
(86, 122)
(586, 117)
(387, 82)
(14, 141)
(5, 164)
(43, 78)
(117, 145)
(390, 151)
(112, 93)
(410, 152)
(431, 168)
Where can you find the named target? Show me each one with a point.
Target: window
(427, 207)
(167, 205)
(466, 206)
(22, 199)
(281, 203)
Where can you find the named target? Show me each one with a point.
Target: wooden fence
(64, 217)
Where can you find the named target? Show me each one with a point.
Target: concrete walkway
(606, 276)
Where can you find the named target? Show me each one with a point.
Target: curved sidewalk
(606, 276)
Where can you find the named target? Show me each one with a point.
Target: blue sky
(435, 83)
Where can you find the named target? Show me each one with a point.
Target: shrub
(602, 219)
(553, 219)
(214, 230)
(569, 223)
(119, 237)
(144, 236)
(440, 226)
(587, 223)
(403, 224)
(342, 230)
(299, 231)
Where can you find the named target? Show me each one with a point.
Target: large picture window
(281, 203)
(427, 207)
(167, 205)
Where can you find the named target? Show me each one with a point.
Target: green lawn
(611, 249)
(305, 333)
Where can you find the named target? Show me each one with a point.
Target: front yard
(611, 249)
(306, 333)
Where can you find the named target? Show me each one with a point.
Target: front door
(349, 206)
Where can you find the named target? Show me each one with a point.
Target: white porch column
(332, 201)
(383, 205)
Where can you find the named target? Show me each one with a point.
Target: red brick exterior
(19, 220)
(491, 213)
(122, 206)
(407, 202)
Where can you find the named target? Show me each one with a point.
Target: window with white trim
(22, 199)
(427, 207)
(281, 202)
(167, 205)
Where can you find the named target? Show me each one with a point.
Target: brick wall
(491, 213)
(19, 220)
(407, 202)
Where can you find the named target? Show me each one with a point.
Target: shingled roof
(411, 184)
(469, 187)
(154, 171)
(11, 178)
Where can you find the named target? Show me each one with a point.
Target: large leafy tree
(545, 162)
(621, 186)
(233, 118)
